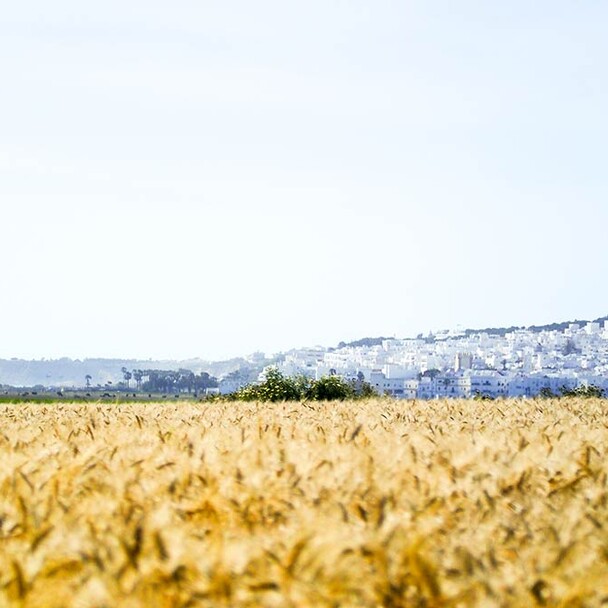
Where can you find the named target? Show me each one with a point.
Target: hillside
(66, 372)
(558, 326)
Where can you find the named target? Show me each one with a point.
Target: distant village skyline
(496, 362)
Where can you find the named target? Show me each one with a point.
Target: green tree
(138, 375)
(331, 388)
(278, 387)
(275, 387)
(127, 375)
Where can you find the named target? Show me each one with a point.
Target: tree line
(164, 381)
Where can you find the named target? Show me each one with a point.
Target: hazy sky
(206, 178)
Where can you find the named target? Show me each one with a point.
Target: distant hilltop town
(514, 362)
(493, 362)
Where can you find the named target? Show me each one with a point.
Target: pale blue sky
(211, 178)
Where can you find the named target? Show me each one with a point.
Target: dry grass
(379, 503)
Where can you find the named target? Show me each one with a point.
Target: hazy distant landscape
(67, 372)
(550, 359)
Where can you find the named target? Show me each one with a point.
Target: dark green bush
(277, 387)
(590, 391)
(331, 388)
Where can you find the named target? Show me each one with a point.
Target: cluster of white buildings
(456, 364)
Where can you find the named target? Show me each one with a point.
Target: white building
(463, 361)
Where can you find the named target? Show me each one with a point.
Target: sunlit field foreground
(373, 503)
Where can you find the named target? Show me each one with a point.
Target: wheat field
(364, 503)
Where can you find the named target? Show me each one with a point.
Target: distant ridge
(501, 331)
(363, 342)
(496, 331)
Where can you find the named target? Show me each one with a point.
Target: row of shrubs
(591, 392)
(278, 387)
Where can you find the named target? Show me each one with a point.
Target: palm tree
(126, 374)
(138, 375)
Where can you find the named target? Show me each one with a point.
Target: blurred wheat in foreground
(374, 503)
